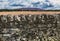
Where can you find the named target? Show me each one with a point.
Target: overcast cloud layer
(41, 4)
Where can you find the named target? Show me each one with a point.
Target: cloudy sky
(41, 4)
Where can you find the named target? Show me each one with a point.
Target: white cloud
(7, 4)
(56, 3)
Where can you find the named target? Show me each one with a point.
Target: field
(28, 12)
(30, 26)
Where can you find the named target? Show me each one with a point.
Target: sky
(41, 4)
